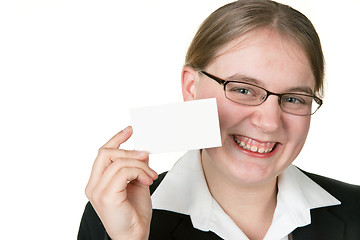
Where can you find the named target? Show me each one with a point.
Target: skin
(243, 183)
(238, 177)
(118, 189)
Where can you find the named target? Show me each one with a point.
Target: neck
(251, 206)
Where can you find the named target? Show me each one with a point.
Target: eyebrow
(251, 80)
(306, 90)
(244, 78)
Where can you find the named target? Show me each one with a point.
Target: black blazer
(341, 222)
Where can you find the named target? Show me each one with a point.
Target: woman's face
(275, 64)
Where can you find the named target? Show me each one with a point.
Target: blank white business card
(176, 127)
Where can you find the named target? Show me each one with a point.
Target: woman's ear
(188, 82)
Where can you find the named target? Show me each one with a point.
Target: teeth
(254, 146)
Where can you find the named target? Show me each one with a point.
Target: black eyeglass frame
(268, 93)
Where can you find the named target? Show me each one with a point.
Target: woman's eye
(243, 91)
(294, 100)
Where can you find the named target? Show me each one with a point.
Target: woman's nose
(267, 116)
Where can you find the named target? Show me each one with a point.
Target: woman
(264, 64)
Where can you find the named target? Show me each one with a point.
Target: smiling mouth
(253, 145)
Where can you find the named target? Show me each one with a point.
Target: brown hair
(243, 16)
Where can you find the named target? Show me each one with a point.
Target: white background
(71, 69)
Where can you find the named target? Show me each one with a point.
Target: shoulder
(340, 190)
(347, 194)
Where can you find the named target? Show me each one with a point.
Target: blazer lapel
(170, 225)
(324, 225)
(185, 231)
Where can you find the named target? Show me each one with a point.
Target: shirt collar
(184, 190)
(297, 195)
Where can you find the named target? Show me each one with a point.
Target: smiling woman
(268, 66)
(71, 69)
(264, 59)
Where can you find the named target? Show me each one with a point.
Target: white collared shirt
(184, 190)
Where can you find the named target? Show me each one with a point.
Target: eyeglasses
(251, 95)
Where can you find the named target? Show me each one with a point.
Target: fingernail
(126, 129)
(142, 153)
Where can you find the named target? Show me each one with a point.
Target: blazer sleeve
(91, 227)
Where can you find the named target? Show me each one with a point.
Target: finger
(116, 188)
(108, 155)
(119, 138)
(121, 158)
(130, 163)
(116, 166)
(126, 175)
(112, 154)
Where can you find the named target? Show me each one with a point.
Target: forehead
(274, 60)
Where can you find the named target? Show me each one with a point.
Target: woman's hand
(118, 189)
